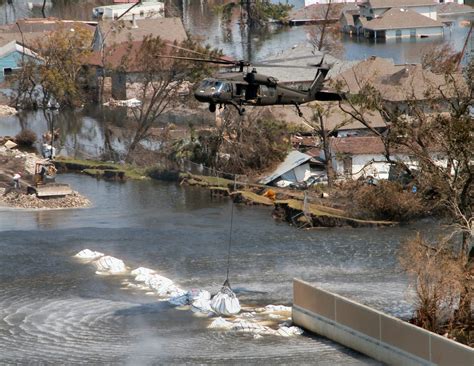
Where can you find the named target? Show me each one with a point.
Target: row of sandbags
(224, 303)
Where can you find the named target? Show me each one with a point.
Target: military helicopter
(251, 88)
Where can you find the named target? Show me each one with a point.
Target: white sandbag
(202, 305)
(159, 284)
(142, 270)
(225, 302)
(88, 254)
(289, 331)
(220, 323)
(191, 296)
(174, 291)
(142, 274)
(110, 264)
(246, 326)
(277, 308)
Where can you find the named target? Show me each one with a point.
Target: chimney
(134, 22)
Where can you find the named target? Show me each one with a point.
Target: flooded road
(56, 310)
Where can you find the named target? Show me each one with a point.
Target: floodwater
(54, 309)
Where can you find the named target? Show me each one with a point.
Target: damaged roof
(292, 160)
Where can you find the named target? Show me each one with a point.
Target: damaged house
(297, 168)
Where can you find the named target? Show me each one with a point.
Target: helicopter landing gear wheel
(212, 107)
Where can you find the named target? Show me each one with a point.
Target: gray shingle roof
(401, 19)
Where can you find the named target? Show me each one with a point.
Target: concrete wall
(378, 335)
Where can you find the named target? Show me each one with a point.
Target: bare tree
(164, 75)
(325, 36)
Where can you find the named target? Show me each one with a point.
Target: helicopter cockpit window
(206, 83)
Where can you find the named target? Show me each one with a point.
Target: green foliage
(58, 73)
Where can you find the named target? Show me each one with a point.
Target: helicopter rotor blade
(285, 66)
(218, 61)
(193, 51)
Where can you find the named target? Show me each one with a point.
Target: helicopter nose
(202, 95)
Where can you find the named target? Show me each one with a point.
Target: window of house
(413, 33)
(398, 33)
(7, 71)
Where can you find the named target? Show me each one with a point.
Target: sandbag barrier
(223, 309)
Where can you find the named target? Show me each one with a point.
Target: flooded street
(55, 309)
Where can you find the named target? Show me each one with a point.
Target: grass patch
(93, 167)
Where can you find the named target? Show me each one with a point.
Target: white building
(360, 157)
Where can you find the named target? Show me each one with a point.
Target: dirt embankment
(14, 161)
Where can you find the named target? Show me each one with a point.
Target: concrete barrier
(378, 335)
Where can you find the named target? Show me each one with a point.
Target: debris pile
(30, 201)
(253, 321)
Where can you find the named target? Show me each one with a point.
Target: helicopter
(242, 88)
(251, 88)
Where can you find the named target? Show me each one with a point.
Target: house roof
(354, 78)
(33, 29)
(169, 29)
(397, 18)
(301, 55)
(334, 118)
(396, 83)
(362, 145)
(378, 4)
(124, 56)
(292, 160)
(318, 11)
(13, 46)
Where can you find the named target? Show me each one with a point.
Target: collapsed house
(297, 168)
